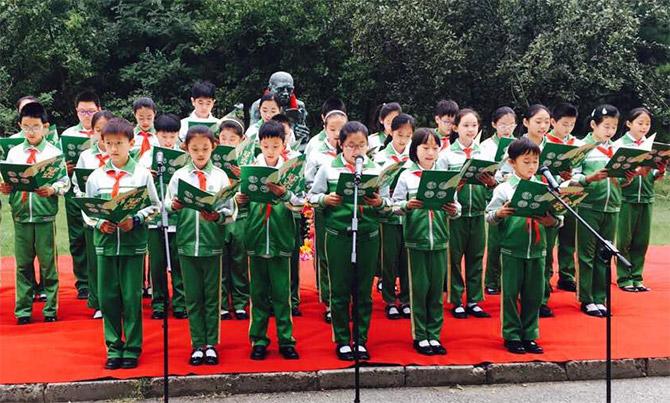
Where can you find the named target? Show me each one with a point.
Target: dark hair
(348, 129)
(398, 122)
(637, 112)
(386, 110)
(203, 89)
(118, 126)
(199, 131)
(603, 111)
(34, 110)
(104, 114)
(421, 136)
(25, 98)
(232, 125)
(271, 129)
(446, 107)
(502, 111)
(333, 104)
(87, 96)
(270, 96)
(564, 110)
(535, 109)
(144, 102)
(281, 118)
(522, 146)
(167, 123)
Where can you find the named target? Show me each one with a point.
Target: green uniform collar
(457, 146)
(629, 139)
(339, 162)
(137, 130)
(39, 147)
(129, 168)
(589, 139)
(207, 169)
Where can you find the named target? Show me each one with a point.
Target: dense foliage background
(482, 53)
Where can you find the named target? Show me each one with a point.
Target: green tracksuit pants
(427, 269)
(235, 271)
(393, 263)
(590, 271)
(120, 296)
(158, 267)
(32, 240)
(522, 281)
(492, 278)
(202, 288)
(75, 228)
(92, 264)
(551, 236)
(341, 274)
(320, 261)
(633, 230)
(466, 238)
(566, 248)
(270, 286)
(295, 263)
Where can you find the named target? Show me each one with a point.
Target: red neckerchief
(533, 227)
(102, 159)
(146, 144)
(32, 158)
(607, 151)
(117, 180)
(553, 139)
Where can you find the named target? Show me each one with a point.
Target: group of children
(244, 255)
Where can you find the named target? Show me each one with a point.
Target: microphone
(159, 158)
(551, 181)
(359, 167)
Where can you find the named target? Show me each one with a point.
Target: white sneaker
(97, 314)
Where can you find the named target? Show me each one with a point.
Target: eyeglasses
(32, 129)
(355, 146)
(447, 122)
(86, 112)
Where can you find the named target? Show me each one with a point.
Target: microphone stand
(354, 287)
(605, 253)
(164, 226)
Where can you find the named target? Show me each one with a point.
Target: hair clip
(604, 111)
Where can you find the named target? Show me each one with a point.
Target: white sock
(459, 309)
(601, 307)
(197, 354)
(424, 343)
(406, 310)
(393, 310)
(210, 352)
(362, 349)
(434, 343)
(591, 307)
(345, 349)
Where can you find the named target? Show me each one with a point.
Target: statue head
(281, 84)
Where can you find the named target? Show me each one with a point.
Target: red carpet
(73, 348)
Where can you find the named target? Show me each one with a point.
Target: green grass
(659, 228)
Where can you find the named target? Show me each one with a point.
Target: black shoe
(211, 356)
(225, 315)
(546, 312)
(146, 293)
(197, 357)
(477, 313)
(392, 312)
(241, 315)
(180, 315)
(157, 315)
(515, 347)
(459, 312)
(566, 285)
(438, 349)
(593, 312)
(344, 355)
(42, 297)
(296, 311)
(603, 310)
(50, 319)
(642, 288)
(628, 288)
(425, 350)
(113, 363)
(492, 291)
(289, 353)
(379, 285)
(23, 320)
(363, 355)
(82, 293)
(259, 352)
(406, 311)
(328, 317)
(531, 347)
(129, 363)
